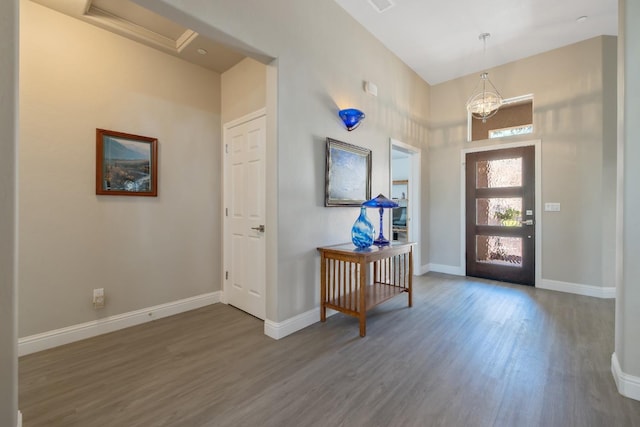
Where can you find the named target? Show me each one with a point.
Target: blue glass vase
(362, 232)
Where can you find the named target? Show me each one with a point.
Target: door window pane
(500, 212)
(499, 250)
(499, 173)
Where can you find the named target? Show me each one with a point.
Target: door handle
(259, 228)
(527, 222)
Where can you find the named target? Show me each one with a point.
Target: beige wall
(142, 251)
(323, 56)
(8, 137)
(243, 89)
(567, 85)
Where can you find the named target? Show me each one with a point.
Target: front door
(500, 207)
(245, 157)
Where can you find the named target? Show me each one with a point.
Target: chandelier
(486, 100)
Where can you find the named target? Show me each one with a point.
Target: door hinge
(226, 211)
(226, 148)
(226, 275)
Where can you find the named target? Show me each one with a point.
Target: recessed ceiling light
(582, 19)
(202, 51)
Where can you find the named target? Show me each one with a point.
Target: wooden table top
(372, 252)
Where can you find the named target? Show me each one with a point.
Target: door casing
(538, 202)
(415, 203)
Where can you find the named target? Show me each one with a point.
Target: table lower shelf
(375, 294)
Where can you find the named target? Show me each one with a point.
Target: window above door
(515, 117)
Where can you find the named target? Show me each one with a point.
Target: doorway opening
(405, 190)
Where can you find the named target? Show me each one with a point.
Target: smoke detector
(381, 5)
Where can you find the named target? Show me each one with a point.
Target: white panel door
(246, 217)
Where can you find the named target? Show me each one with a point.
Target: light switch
(552, 207)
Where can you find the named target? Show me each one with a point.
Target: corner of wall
(9, 36)
(628, 385)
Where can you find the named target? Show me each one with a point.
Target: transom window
(515, 130)
(515, 117)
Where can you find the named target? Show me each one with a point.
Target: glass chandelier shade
(487, 100)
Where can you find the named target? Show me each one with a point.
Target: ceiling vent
(381, 5)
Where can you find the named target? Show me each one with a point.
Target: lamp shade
(380, 201)
(351, 118)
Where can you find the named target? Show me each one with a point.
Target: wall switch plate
(98, 298)
(552, 207)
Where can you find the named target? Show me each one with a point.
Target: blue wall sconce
(351, 117)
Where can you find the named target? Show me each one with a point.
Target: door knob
(527, 222)
(259, 228)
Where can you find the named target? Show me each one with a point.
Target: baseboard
(576, 288)
(628, 385)
(553, 285)
(447, 269)
(57, 337)
(19, 419)
(277, 330)
(423, 269)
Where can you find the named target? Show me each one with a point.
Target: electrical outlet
(98, 298)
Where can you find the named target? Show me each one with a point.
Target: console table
(355, 280)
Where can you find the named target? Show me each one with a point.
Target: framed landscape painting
(348, 174)
(126, 165)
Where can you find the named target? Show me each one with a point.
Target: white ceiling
(439, 39)
(137, 23)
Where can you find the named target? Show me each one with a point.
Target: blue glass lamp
(380, 202)
(351, 118)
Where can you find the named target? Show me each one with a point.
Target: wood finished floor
(469, 353)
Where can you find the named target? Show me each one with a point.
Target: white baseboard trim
(57, 337)
(447, 269)
(628, 385)
(277, 330)
(553, 285)
(576, 288)
(19, 419)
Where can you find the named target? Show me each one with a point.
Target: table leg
(364, 281)
(323, 288)
(411, 277)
